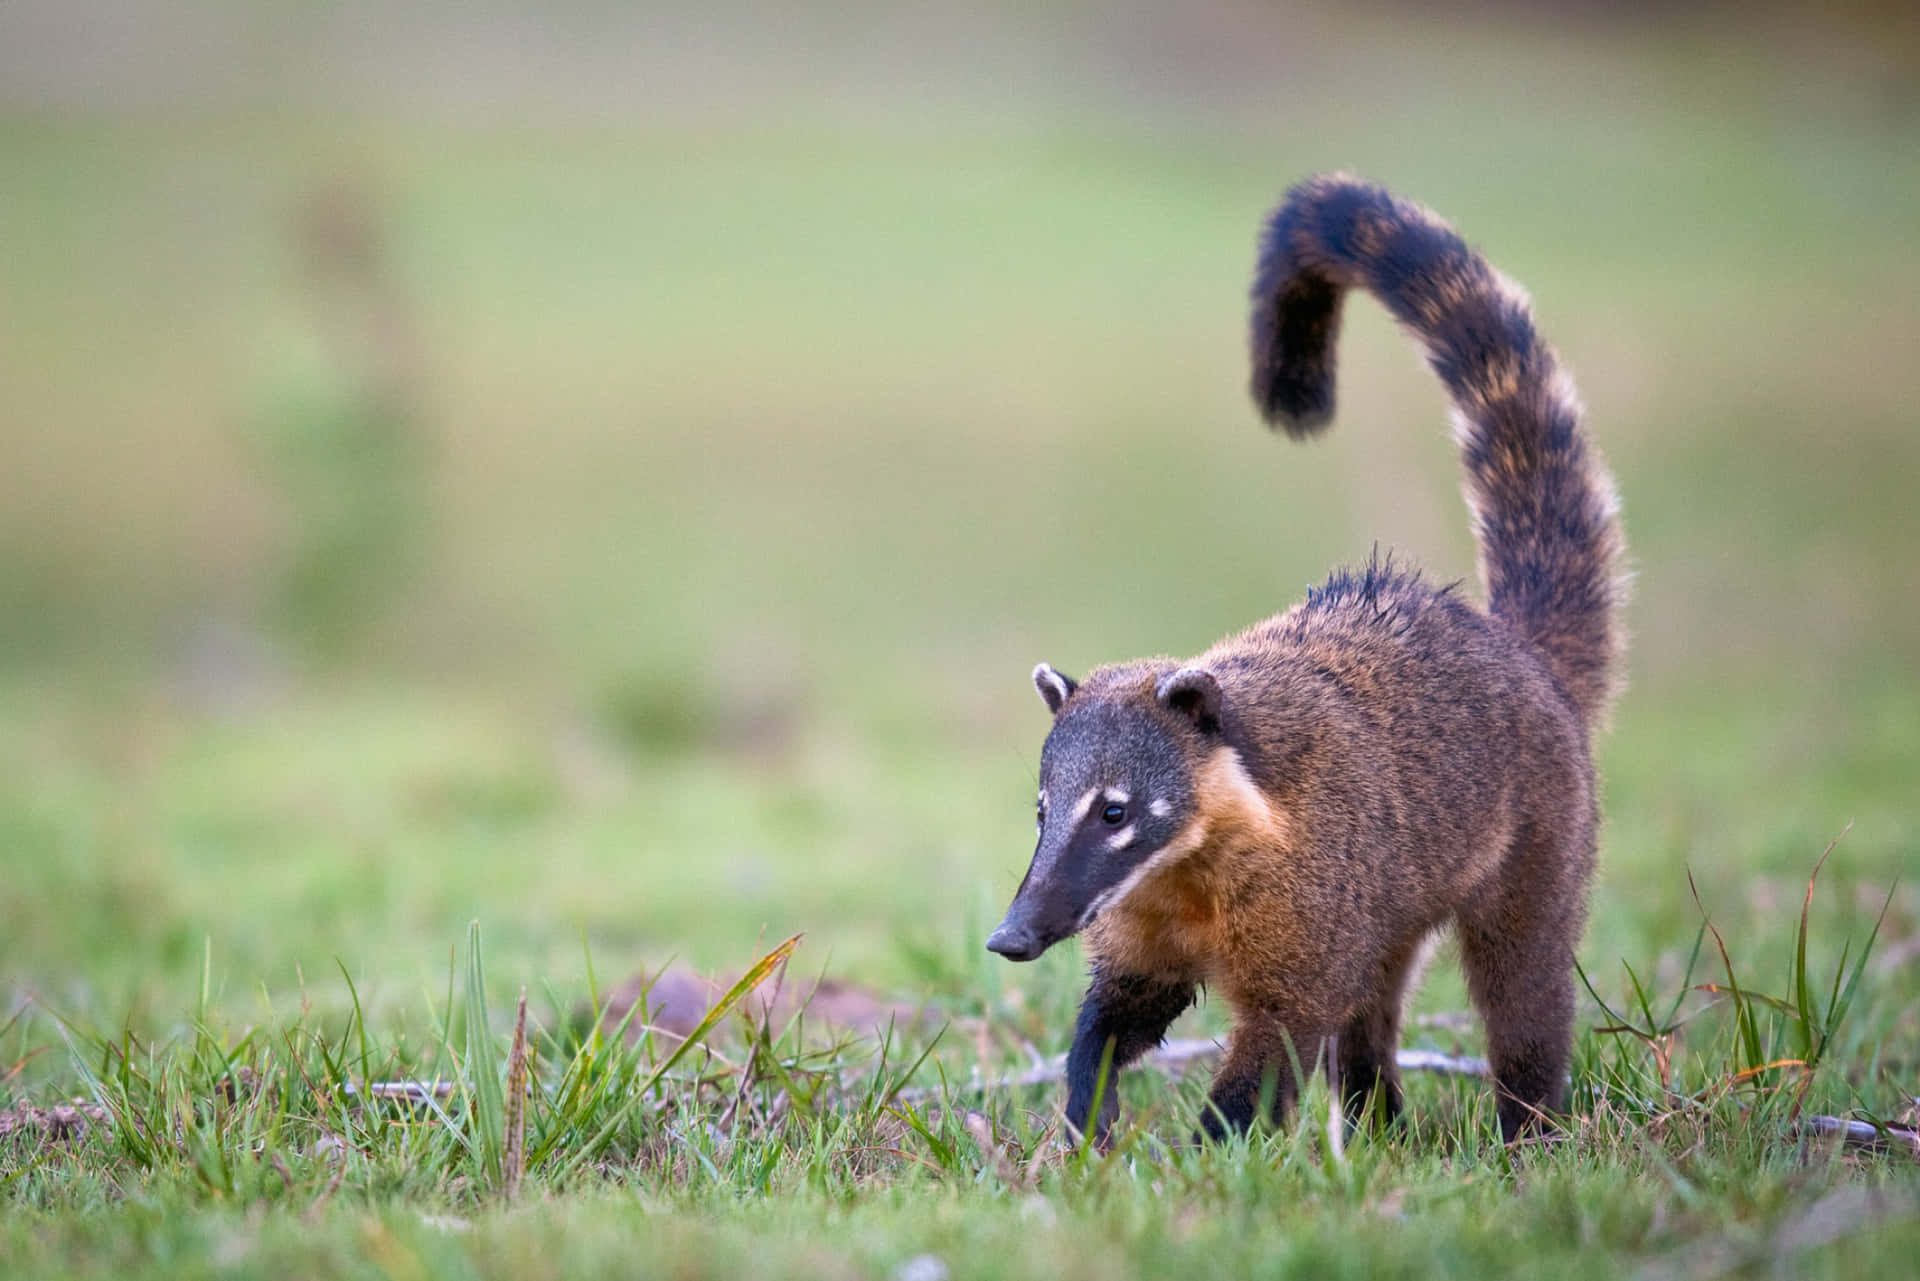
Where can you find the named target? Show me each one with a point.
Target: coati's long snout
(1050, 905)
(1073, 875)
(1070, 881)
(1033, 924)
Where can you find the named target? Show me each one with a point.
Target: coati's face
(1115, 787)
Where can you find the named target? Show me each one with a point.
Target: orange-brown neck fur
(1175, 919)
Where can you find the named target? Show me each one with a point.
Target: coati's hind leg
(1370, 1041)
(1133, 1012)
(1266, 1044)
(1516, 945)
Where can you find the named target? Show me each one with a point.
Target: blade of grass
(1745, 997)
(1838, 1013)
(489, 1107)
(1804, 1024)
(1748, 1030)
(756, 974)
(1686, 977)
(1640, 998)
(359, 1017)
(900, 1081)
(1102, 1081)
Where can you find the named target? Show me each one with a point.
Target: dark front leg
(1129, 1011)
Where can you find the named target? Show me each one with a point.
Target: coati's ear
(1053, 687)
(1193, 693)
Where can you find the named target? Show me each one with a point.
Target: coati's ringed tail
(1545, 513)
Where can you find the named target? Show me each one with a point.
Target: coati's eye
(1114, 815)
(1040, 815)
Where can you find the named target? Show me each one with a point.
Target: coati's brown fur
(1289, 817)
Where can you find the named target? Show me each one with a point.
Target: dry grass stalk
(514, 1163)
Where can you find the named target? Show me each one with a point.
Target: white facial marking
(1122, 838)
(1227, 773)
(1159, 808)
(1179, 847)
(1116, 796)
(1147, 867)
(1085, 804)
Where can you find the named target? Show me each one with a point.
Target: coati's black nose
(1015, 942)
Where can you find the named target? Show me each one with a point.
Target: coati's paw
(1216, 1129)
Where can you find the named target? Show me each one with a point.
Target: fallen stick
(1173, 1058)
(1865, 1135)
(405, 1091)
(1176, 1056)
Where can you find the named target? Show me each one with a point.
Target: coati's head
(1116, 786)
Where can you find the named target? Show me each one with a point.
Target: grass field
(753, 457)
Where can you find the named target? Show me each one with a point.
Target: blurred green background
(608, 471)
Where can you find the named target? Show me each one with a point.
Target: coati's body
(1287, 818)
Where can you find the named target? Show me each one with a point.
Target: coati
(1287, 818)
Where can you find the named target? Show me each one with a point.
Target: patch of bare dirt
(678, 997)
(61, 1121)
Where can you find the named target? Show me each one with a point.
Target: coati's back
(1286, 816)
(1407, 735)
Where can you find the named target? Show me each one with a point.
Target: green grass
(244, 1145)
(763, 457)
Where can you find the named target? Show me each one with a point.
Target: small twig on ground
(405, 1091)
(1175, 1057)
(1864, 1135)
